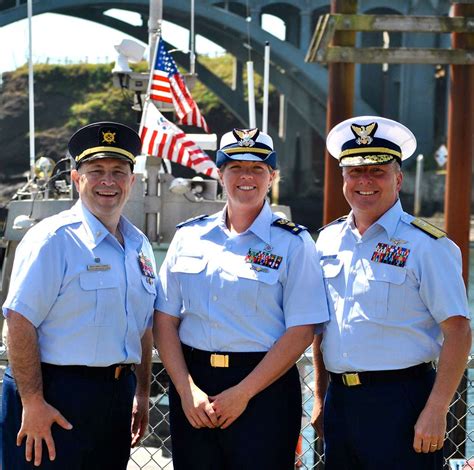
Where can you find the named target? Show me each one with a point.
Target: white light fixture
(180, 186)
(128, 51)
(197, 186)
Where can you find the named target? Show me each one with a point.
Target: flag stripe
(174, 90)
(164, 139)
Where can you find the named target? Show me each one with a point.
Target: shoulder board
(191, 220)
(288, 225)
(429, 229)
(341, 219)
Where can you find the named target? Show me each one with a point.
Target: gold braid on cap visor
(246, 150)
(360, 151)
(366, 160)
(118, 150)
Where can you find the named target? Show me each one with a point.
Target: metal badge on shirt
(146, 267)
(263, 258)
(98, 267)
(390, 254)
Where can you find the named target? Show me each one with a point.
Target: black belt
(221, 359)
(115, 371)
(350, 379)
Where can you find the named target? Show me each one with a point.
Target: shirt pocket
(331, 269)
(190, 270)
(251, 288)
(101, 293)
(386, 289)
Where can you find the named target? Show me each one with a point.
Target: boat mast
(154, 27)
(31, 96)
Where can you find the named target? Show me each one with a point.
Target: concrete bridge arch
(304, 85)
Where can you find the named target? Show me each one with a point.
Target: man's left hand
(430, 430)
(140, 413)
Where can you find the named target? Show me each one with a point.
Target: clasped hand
(218, 411)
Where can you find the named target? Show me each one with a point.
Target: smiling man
(79, 313)
(397, 303)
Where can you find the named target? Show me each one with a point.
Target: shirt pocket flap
(331, 268)
(150, 287)
(385, 273)
(189, 265)
(97, 280)
(259, 273)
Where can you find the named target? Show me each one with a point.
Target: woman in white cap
(239, 296)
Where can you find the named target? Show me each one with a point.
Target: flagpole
(154, 27)
(31, 96)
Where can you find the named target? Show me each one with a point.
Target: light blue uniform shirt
(227, 303)
(85, 293)
(385, 316)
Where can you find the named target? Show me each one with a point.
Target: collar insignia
(108, 137)
(247, 136)
(364, 134)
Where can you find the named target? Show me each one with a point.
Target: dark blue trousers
(264, 437)
(370, 427)
(99, 408)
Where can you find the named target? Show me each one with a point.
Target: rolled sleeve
(442, 287)
(36, 277)
(169, 299)
(304, 297)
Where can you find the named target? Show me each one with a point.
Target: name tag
(98, 267)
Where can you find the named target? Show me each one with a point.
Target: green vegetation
(70, 96)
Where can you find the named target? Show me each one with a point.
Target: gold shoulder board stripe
(431, 230)
(288, 225)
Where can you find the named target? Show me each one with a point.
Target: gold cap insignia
(108, 137)
(246, 136)
(364, 134)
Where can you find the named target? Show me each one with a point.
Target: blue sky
(59, 38)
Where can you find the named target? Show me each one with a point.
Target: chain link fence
(154, 453)
(155, 450)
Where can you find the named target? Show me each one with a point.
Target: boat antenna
(31, 96)
(250, 82)
(192, 55)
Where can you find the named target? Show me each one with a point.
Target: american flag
(168, 85)
(162, 138)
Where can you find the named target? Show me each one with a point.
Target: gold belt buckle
(351, 379)
(118, 371)
(219, 360)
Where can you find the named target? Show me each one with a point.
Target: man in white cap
(397, 303)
